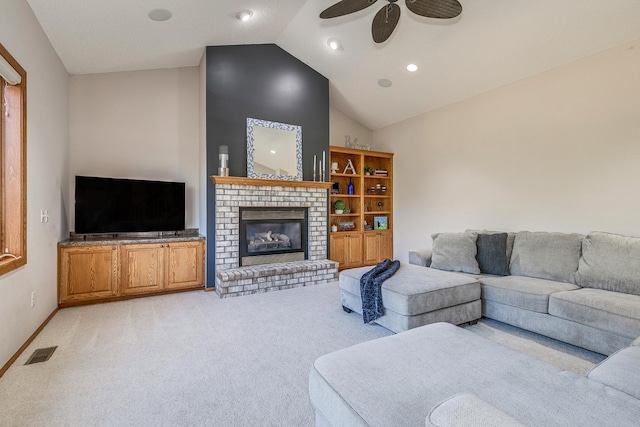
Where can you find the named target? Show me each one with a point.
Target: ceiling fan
(387, 18)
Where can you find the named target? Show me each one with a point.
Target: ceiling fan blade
(385, 22)
(441, 9)
(345, 7)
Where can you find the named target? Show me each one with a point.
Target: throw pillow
(455, 252)
(492, 254)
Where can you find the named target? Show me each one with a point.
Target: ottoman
(401, 379)
(417, 296)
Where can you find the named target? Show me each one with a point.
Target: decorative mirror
(274, 150)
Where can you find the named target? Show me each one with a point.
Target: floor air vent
(41, 355)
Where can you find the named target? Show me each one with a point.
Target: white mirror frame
(250, 149)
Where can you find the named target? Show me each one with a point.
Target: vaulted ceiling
(492, 43)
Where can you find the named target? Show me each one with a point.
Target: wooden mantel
(268, 182)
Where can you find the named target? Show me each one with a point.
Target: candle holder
(223, 157)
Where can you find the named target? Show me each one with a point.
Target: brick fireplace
(273, 203)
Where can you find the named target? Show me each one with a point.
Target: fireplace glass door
(270, 235)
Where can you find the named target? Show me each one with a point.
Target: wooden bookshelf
(373, 198)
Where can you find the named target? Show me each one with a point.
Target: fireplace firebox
(272, 235)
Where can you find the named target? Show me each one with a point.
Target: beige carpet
(193, 359)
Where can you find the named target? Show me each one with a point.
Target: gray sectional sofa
(584, 290)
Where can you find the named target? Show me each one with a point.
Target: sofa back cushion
(610, 262)
(552, 256)
(455, 252)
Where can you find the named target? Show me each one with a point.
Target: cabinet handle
(162, 246)
(113, 248)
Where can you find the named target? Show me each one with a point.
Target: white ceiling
(492, 43)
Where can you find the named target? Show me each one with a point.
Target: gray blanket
(371, 289)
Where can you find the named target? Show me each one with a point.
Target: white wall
(47, 177)
(142, 125)
(340, 125)
(558, 151)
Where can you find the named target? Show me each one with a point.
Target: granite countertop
(130, 238)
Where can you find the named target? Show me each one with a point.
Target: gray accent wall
(262, 82)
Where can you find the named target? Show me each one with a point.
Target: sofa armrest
(420, 257)
(621, 371)
(463, 410)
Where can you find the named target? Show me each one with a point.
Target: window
(13, 157)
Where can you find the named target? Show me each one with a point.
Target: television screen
(112, 205)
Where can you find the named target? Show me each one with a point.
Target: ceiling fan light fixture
(244, 15)
(412, 68)
(334, 44)
(160, 15)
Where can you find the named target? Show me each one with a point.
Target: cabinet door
(371, 248)
(87, 272)
(143, 268)
(385, 240)
(185, 264)
(338, 248)
(346, 249)
(378, 246)
(354, 258)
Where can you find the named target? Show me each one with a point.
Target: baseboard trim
(26, 344)
(128, 297)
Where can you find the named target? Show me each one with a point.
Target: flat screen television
(113, 205)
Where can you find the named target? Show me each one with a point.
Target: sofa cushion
(610, 262)
(455, 252)
(527, 293)
(621, 371)
(464, 410)
(492, 254)
(608, 311)
(552, 256)
(415, 290)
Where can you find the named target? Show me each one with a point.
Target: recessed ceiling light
(334, 44)
(412, 67)
(244, 15)
(273, 151)
(160, 15)
(384, 83)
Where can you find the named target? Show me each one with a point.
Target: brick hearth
(233, 193)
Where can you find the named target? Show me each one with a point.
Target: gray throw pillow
(610, 262)
(510, 238)
(455, 252)
(552, 256)
(492, 254)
